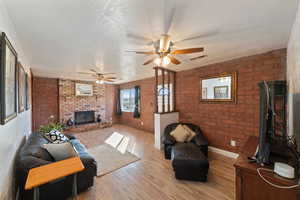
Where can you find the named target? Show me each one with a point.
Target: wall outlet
(233, 143)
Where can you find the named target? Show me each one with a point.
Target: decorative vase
(99, 118)
(70, 122)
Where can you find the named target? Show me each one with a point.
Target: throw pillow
(192, 133)
(180, 133)
(61, 151)
(56, 137)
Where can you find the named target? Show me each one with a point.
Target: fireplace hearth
(84, 117)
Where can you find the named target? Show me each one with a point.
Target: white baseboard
(223, 152)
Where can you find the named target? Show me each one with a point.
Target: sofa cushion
(61, 151)
(56, 137)
(180, 133)
(191, 135)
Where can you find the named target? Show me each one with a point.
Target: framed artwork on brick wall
(28, 91)
(83, 89)
(21, 88)
(8, 81)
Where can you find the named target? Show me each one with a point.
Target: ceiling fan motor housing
(164, 43)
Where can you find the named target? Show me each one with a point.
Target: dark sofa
(33, 155)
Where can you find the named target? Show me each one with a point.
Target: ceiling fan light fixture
(99, 81)
(162, 62)
(164, 43)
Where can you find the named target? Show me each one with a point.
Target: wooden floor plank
(152, 178)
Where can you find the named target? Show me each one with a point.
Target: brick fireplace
(84, 117)
(79, 107)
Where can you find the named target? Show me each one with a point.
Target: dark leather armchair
(33, 155)
(199, 140)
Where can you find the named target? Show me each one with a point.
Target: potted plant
(52, 126)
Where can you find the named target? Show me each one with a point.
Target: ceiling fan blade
(187, 51)
(174, 60)
(149, 61)
(168, 19)
(93, 71)
(194, 37)
(138, 37)
(108, 73)
(89, 73)
(110, 78)
(198, 57)
(143, 52)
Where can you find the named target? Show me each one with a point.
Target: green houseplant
(51, 126)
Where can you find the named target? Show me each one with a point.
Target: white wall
(12, 133)
(293, 77)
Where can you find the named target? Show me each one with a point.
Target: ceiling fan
(101, 78)
(164, 48)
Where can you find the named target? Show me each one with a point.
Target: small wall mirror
(219, 88)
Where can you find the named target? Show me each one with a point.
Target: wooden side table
(250, 186)
(47, 173)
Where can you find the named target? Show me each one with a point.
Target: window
(127, 100)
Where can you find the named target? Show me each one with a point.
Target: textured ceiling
(63, 37)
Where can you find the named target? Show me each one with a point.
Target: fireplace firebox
(84, 117)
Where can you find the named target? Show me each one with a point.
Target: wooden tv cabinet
(248, 184)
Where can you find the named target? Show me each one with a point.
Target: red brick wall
(57, 97)
(146, 121)
(44, 101)
(219, 122)
(110, 103)
(223, 122)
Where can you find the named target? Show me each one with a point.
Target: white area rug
(114, 139)
(110, 157)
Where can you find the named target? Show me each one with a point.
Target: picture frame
(21, 88)
(208, 93)
(8, 80)
(28, 91)
(221, 92)
(82, 89)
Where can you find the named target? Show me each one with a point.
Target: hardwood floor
(152, 177)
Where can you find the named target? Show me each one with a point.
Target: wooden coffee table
(47, 173)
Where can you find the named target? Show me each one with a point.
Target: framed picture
(8, 81)
(21, 88)
(28, 91)
(221, 92)
(83, 89)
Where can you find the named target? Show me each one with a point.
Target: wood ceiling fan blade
(174, 60)
(199, 36)
(198, 57)
(110, 78)
(149, 61)
(143, 52)
(93, 71)
(188, 51)
(89, 73)
(169, 17)
(138, 37)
